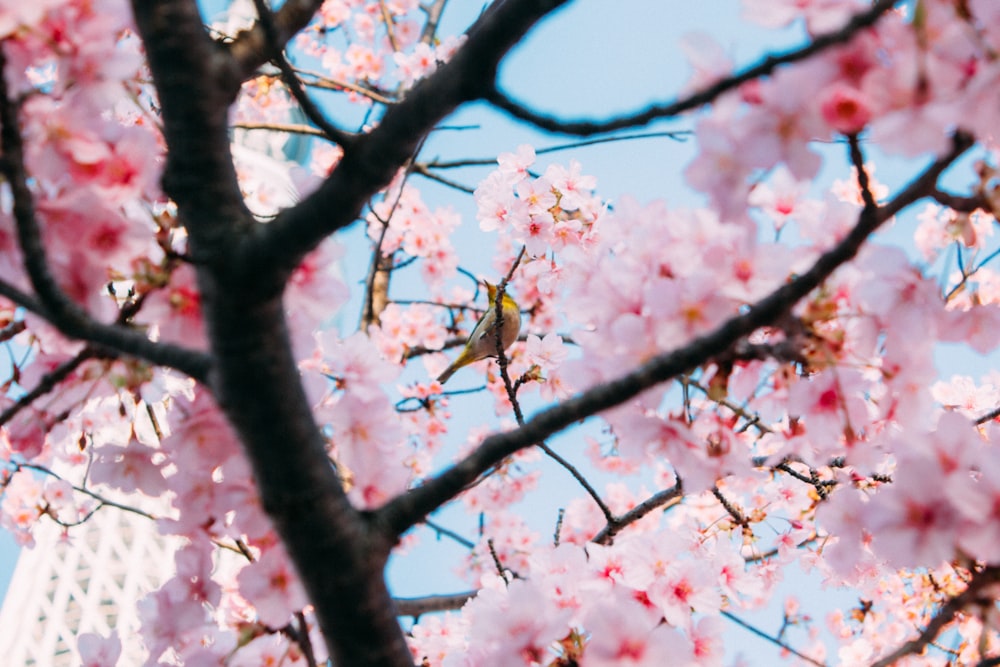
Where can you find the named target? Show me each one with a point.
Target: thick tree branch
(371, 162)
(770, 63)
(969, 204)
(51, 302)
(339, 559)
(190, 72)
(403, 512)
(249, 49)
(255, 378)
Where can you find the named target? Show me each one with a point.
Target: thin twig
(735, 512)
(101, 500)
(48, 382)
(774, 640)
(512, 393)
(581, 480)
(387, 18)
(447, 532)
(304, 640)
(665, 499)
(291, 128)
(422, 170)
(318, 80)
(678, 135)
(709, 94)
(989, 416)
(266, 21)
(378, 267)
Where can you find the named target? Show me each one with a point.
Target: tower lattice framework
(89, 581)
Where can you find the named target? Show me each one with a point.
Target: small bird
(482, 341)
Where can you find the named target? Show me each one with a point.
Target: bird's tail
(447, 373)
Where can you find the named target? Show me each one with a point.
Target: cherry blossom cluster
(373, 44)
(828, 440)
(905, 82)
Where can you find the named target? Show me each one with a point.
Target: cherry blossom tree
(755, 377)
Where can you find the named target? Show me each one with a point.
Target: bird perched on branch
(482, 341)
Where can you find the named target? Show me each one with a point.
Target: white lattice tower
(89, 583)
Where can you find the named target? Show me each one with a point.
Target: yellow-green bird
(482, 341)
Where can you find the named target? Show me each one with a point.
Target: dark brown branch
(12, 330)
(959, 203)
(864, 183)
(431, 603)
(339, 557)
(51, 302)
(404, 511)
(249, 50)
(290, 128)
(822, 486)
(989, 416)
(737, 515)
(48, 382)
(665, 498)
(23, 299)
(765, 67)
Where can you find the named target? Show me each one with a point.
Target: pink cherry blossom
(130, 468)
(271, 585)
(622, 633)
(98, 651)
(835, 437)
